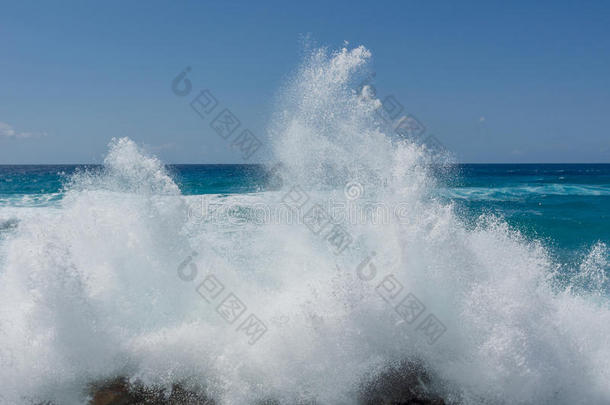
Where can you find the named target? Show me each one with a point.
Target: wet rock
(120, 392)
(407, 383)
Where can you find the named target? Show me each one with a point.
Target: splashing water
(90, 290)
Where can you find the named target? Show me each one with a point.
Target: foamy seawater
(235, 281)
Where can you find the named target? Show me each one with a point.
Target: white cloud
(9, 132)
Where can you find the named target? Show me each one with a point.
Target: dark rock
(407, 383)
(120, 392)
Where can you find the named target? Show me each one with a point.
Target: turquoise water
(566, 206)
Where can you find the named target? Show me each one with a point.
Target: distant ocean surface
(566, 206)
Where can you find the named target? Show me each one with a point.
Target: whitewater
(106, 281)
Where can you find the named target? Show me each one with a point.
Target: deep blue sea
(566, 206)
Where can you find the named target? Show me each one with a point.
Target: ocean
(551, 202)
(312, 280)
(564, 206)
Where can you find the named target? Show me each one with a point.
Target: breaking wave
(109, 284)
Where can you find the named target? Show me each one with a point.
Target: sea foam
(93, 290)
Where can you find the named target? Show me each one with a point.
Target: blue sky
(494, 81)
